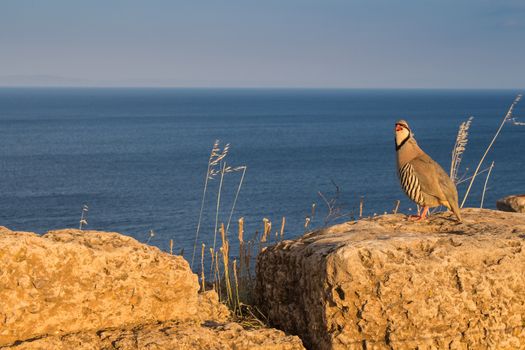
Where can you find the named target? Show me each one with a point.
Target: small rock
(515, 203)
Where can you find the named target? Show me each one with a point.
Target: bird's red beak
(399, 127)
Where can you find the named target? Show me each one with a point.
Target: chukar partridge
(423, 180)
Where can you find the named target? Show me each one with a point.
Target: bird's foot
(419, 217)
(416, 218)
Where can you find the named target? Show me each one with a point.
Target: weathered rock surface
(70, 280)
(169, 335)
(514, 203)
(388, 283)
(93, 290)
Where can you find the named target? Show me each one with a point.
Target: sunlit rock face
(390, 283)
(73, 289)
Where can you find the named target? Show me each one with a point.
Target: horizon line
(247, 87)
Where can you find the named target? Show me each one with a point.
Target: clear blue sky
(264, 43)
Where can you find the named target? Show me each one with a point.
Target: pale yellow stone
(390, 283)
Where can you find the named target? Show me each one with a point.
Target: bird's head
(403, 133)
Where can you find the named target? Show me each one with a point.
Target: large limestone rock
(514, 203)
(72, 289)
(71, 280)
(387, 283)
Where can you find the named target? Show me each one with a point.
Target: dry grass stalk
(507, 117)
(465, 179)
(150, 236)
(459, 148)
(217, 166)
(241, 230)
(223, 236)
(213, 273)
(240, 236)
(225, 260)
(218, 204)
(396, 207)
(217, 157)
(283, 222)
(306, 223)
(361, 203)
(224, 170)
(335, 210)
(225, 266)
(214, 154)
(217, 276)
(514, 121)
(212, 253)
(226, 269)
(203, 287)
(171, 246)
(243, 168)
(236, 279)
(485, 186)
(267, 229)
(83, 216)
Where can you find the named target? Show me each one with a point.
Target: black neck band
(402, 142)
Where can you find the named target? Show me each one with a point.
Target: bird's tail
(455, 209)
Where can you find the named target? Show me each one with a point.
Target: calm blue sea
(138, 157)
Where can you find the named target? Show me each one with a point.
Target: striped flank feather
(410, 184)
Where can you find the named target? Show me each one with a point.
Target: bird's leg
(423, 214)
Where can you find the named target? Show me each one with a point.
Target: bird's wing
(430, 176)
(447, 186)
(434, 181)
